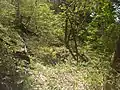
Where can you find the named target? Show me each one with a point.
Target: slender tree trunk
(18, 17)
(113, 79)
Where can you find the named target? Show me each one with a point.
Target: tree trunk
(113, 79)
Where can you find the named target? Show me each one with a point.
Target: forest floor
(59, 77)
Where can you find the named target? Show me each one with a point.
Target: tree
(92, 23)
(86, 23)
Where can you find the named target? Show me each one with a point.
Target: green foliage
(69, 47)
(10, 73)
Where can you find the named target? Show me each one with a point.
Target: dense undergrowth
(47, 47)
(67, 76)
(64, 77)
